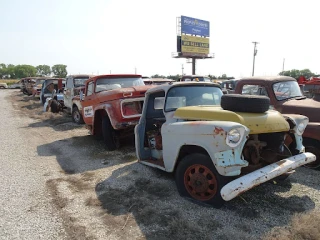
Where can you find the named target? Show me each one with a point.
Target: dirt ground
(109, 195)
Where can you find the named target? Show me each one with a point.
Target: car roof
(270, 78)
(166, 87)
(81, 75)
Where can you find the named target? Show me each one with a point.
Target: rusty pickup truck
(286, 97)
(217, 147)
(112, 105)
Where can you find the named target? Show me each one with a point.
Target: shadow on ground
(30, 106)
(81, 154)
(150, 195)
(307, 177)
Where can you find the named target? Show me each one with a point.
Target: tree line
(177, 76)
(295, 73)
(11, 71)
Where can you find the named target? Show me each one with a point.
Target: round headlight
(301, 127)
(234, 136)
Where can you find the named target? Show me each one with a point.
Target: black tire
(245, 103)
(312, 146)
(55, 106)
(212, 179)
(109, 134)
(76, 115)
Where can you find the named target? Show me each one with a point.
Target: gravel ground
(96, 194)
(26, 211)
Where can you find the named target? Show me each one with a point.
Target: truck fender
(208, 135)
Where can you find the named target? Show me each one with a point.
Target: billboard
(194, 45)
(195, 26)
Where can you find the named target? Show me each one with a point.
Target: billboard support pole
(193, 66)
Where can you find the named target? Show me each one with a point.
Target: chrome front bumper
(248, 181)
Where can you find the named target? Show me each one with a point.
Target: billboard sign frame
(195, 26)
(194, 45)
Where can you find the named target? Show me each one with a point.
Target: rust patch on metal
(281, 162)
(217, 131)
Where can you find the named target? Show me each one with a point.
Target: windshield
(78, 82)
(40, 81)
(192, 96)
(103, 84)
(286, 90)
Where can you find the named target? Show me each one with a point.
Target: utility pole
(193, 66)
(283, 65)
(135, 70)
(254, 55)
(182, 69)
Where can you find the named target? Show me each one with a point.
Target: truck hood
(307, 107)
(268, 122)
(131, 92)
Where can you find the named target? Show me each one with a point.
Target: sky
(126, 36)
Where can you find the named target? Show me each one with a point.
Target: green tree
(22, 71)
(174, 77)
(59, 70)
(295, 73)
(212, 76)
(11, 71)
(43, 70)
(158, 76)
(3, 70)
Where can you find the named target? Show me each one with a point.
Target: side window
(155, 105)
(69, 83)
(90, 88)
(187, 79)
(254, 90)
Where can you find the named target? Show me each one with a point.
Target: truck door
(67, 93)
(87, 103)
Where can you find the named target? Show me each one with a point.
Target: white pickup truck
(216, 153)
(71, 94)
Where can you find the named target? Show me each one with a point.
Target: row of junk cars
(219, 139)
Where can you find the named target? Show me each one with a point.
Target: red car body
(118, 106)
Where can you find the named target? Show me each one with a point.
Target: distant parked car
(16, 85)
(36, 89)
(59, 85)
(3, 85)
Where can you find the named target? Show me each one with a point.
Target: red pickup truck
(286, 97)
(112, 106)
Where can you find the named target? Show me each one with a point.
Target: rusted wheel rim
(76, 116)
(315, 151)
(200, 182)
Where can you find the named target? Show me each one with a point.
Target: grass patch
(9, 81)
(302, 227)
(142, 199)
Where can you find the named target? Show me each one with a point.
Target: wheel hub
(200, 182)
